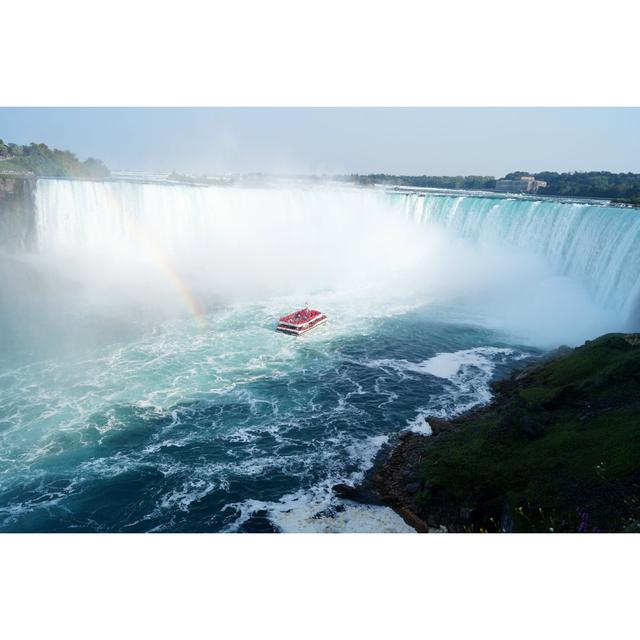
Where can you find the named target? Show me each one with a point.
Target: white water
(545, 272)
(238, 418)
(597, 245)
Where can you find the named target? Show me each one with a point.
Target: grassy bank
(559, 450)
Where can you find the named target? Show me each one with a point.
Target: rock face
(438, 425)
(397, 482)
(345, 491)
(17, 211)
(363, 493)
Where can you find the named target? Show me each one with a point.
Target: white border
(471, 53)
(306, 586)
(338, 52)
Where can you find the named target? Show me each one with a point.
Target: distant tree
(15, 149)
(95, 168)
(620, 187)
(515, 175)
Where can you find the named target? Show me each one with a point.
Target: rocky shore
(558, 450)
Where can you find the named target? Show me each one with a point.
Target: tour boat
(301, 321)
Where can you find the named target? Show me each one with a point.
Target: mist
(109, 256)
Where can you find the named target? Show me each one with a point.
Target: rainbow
(166, 266)
(178, 283)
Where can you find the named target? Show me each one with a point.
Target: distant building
(524, 184)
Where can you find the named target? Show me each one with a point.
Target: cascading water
(143, 387)
(595, 244)
(230, 241)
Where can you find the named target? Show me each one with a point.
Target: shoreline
(555, 450)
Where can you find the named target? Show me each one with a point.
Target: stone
(346, 491)
(438, 425)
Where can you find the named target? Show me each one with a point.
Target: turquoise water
(143, 388)
(243, 429)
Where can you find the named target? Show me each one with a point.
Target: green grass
(584, 457)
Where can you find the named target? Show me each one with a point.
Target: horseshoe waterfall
(142, 384)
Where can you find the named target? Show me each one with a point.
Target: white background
(487, 52)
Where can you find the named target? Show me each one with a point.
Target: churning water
(143, 388)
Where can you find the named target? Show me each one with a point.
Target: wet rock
(438, 425)
(413, 520)
(259, 522)
(345, 491)
(330, 512)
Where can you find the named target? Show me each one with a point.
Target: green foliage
(43, 161)
(515, 175)
(619, 187)
(577, 470)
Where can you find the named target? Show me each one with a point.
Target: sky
(410, 141)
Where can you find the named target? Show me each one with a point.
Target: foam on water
(467, 374)
(210, 419)
(314, 511)
(319, 510)
(119, 412)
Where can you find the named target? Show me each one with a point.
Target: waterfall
(596, 244)
(233, 230)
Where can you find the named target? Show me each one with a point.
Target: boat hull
(293, 331)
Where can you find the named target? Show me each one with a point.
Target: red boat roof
(301, 316)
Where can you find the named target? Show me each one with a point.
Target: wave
(467, 373)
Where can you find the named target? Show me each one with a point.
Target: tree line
(619, 187)
(435, 182)
(39, 159)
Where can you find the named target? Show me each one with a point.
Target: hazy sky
(435, 141)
